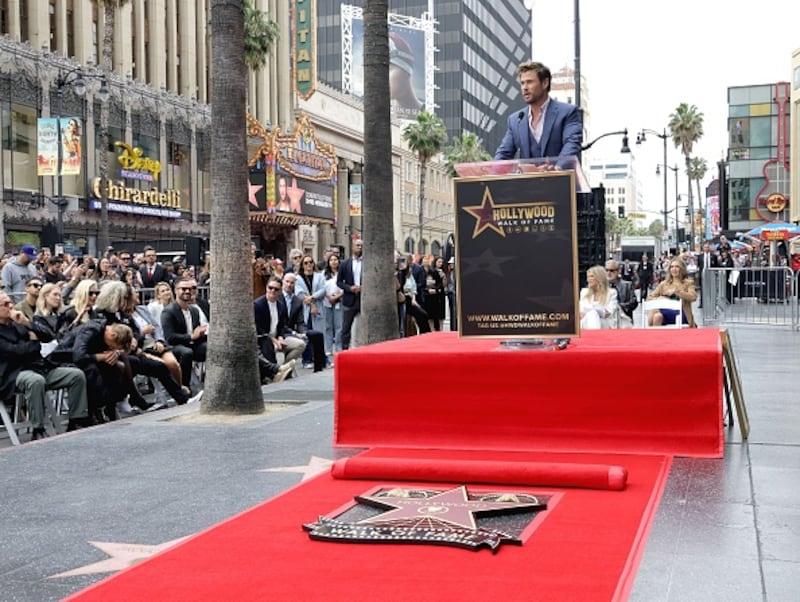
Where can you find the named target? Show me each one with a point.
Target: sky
(642, 58)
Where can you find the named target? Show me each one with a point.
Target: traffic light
(621, 211)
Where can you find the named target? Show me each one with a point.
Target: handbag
(401, 298)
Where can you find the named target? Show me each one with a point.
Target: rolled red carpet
(552, 474)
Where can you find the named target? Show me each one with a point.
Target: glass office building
(758, 155)
(478, 46)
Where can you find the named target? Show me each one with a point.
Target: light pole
(75, 78)
(624, 133)
(641, 137)
(677, 196)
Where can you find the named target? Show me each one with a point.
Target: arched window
(436, 248)
(409, 246)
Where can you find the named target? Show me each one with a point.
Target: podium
(517, 248)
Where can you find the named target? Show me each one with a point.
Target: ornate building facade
(159, 131)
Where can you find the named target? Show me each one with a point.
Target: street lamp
(624, 133)
(641, 137)
(677, 196)
(75, 78)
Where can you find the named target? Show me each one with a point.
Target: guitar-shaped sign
(772, 200)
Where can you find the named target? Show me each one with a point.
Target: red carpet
(631, 391)
(587, 547)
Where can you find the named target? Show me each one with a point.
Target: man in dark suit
(545, 127)
(272, 318)
(706, 260)
(626, 298)
(349, 280)
(296, 326)
(188, 343)
(644, 273)
(152, 273)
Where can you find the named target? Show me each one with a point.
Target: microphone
(520, 115)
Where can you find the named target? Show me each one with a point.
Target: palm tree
(686, 128)
(467, 148)
(378, 320)
(425, 137)
(259, 35)
(232, 378)
(698, 167)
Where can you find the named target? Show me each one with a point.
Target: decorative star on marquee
(452, 507)
(252, 189)
(295, 195)
(314, 467)
(484, 213)
(122, 555)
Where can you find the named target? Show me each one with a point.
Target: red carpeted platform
(585, 548)
(633, 391)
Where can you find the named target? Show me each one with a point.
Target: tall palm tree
(378, 320)
(466, 148)
(686, 127)
(425, 137)
(698, 167)
(232, 379)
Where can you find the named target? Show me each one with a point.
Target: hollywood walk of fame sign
(517, 255)
(452, 517)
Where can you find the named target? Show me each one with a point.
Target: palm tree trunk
(232, 377)
(700, 206)
(691, 205)
(422, 169)
(378, 320)
(104, 236)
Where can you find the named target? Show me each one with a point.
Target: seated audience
(183, 329)
(626, 296)
(296, 321)
(99, 349)
(677, 285)
(23, 369)
(271, 317)
(597, 302)
(28, 304)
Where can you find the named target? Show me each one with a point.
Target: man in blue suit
(545, 127)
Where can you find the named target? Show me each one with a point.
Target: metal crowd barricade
(754, 295)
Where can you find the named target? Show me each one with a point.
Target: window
(19, 147)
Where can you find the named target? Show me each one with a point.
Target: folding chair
(674, 304)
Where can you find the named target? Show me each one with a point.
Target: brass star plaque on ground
(454, 517)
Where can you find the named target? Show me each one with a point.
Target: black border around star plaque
(456, 515)
(517, 255)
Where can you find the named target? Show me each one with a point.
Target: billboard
(50, 131)
(410, 61)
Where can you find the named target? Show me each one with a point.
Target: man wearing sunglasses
(183, 329)
(271, 318)
(28, 305)
(24, 370)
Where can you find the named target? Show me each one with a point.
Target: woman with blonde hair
(677, 285)
(49, 318)
(81, 307)
(598, 301)
(161, 298)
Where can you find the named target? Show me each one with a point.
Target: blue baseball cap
(30, 251)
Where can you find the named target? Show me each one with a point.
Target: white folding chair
(661, 303)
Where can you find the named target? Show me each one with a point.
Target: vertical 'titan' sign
(304, 48)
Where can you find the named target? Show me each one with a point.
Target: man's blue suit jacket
(562, 133)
